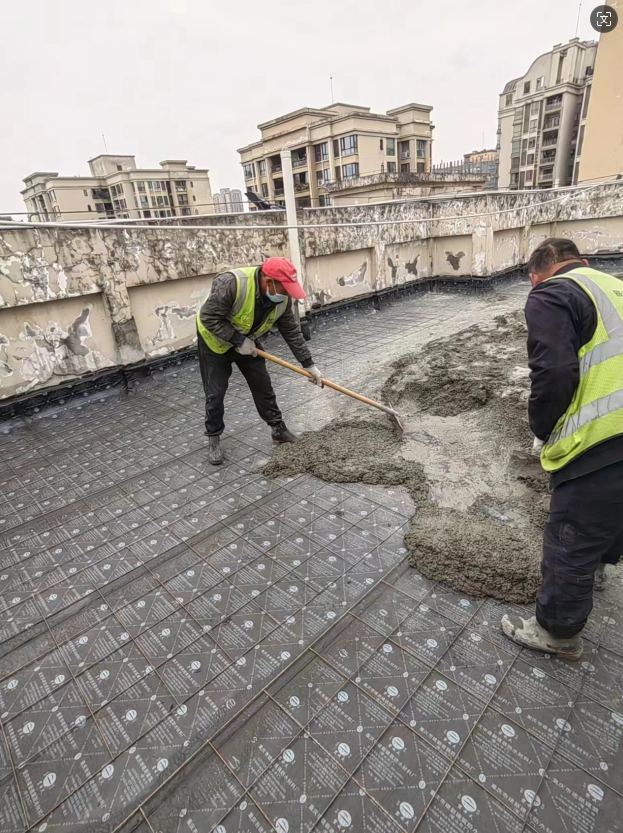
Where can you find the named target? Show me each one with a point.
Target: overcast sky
(191, 79)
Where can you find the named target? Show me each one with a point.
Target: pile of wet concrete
(481, 498)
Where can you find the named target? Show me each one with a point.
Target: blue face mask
(277, 298)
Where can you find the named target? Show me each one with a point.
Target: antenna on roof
(577, 25)
(105, 145)
(331, 81)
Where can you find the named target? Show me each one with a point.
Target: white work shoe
(530, 634)
(601, 578)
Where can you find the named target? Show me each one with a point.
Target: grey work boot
(281, 434)
(530, 634)
(215, 452)
(601, 578)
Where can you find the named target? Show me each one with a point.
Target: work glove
(247, 348)
(537, 447)
(317, 375)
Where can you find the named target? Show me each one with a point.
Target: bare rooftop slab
(190, 648)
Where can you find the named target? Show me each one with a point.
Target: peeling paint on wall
(165, 315)
(355, 278)
(455, 259)
(58, 352)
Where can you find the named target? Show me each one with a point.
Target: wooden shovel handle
(327, 383)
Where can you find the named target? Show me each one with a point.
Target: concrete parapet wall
(76, 300)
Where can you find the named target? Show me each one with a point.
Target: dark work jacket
(218, 305)
(561, 319)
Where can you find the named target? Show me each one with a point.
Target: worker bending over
(575, 352)
(242, 306)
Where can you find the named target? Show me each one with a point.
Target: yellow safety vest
(596, 412)
(242, 313)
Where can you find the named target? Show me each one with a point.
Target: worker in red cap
(243, 305)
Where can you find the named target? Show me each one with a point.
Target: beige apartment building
(600, 146)
(539, 118)
(335, 144)
(116, 188)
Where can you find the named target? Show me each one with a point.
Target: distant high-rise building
(539, 118)
(117, 188)
(228, 201)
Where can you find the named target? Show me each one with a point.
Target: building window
(194, 198)
(391, 167)
(338, 173)
(324, 201)
(348, 145)
(381, 144)
(390, 147)
(53, 195)
(405, 152)
(300, 180)
(180, 184)
(529, 175)
(186, 212)
(509, 100)
(540, 83)
(405, 168)
(119, 168)
(526, 88)
(534, 108)
(587, 98)
(153, 186)
(533, 125)
(581, 141)
(561, 63)
(117, 190)
(144, 201)
(321, 152)
(421, 148)
(89, 207)
(530, 159)
(182, 199)
(351, 170)
(85, 192)
(262, 167)
(147, 214)
(303, 202)
(421, 167)
(336, 148)
(248, 171)
(531, 143)
(192, 184)
(264, 187)
(141, 187)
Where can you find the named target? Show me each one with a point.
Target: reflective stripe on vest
(242, 312)
(596, 411)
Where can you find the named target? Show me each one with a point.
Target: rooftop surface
(187, 648)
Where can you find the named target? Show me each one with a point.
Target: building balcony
(276, 169)
(548, 141)
(301, 186)
(405, 154)
(554, 105)
(546, 175)
(298, 163)
(279, 192)
(548, 157)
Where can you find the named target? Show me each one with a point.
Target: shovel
(395, 417)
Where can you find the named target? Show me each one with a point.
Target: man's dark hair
(550, 251)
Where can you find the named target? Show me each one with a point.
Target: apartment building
(539, 118)
(228, 201)
(116, 188)
(334, 144)
(600, 145)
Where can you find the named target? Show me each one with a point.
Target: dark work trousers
(215, 372)
(584, 529)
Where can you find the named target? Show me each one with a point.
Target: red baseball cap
(283, 270)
